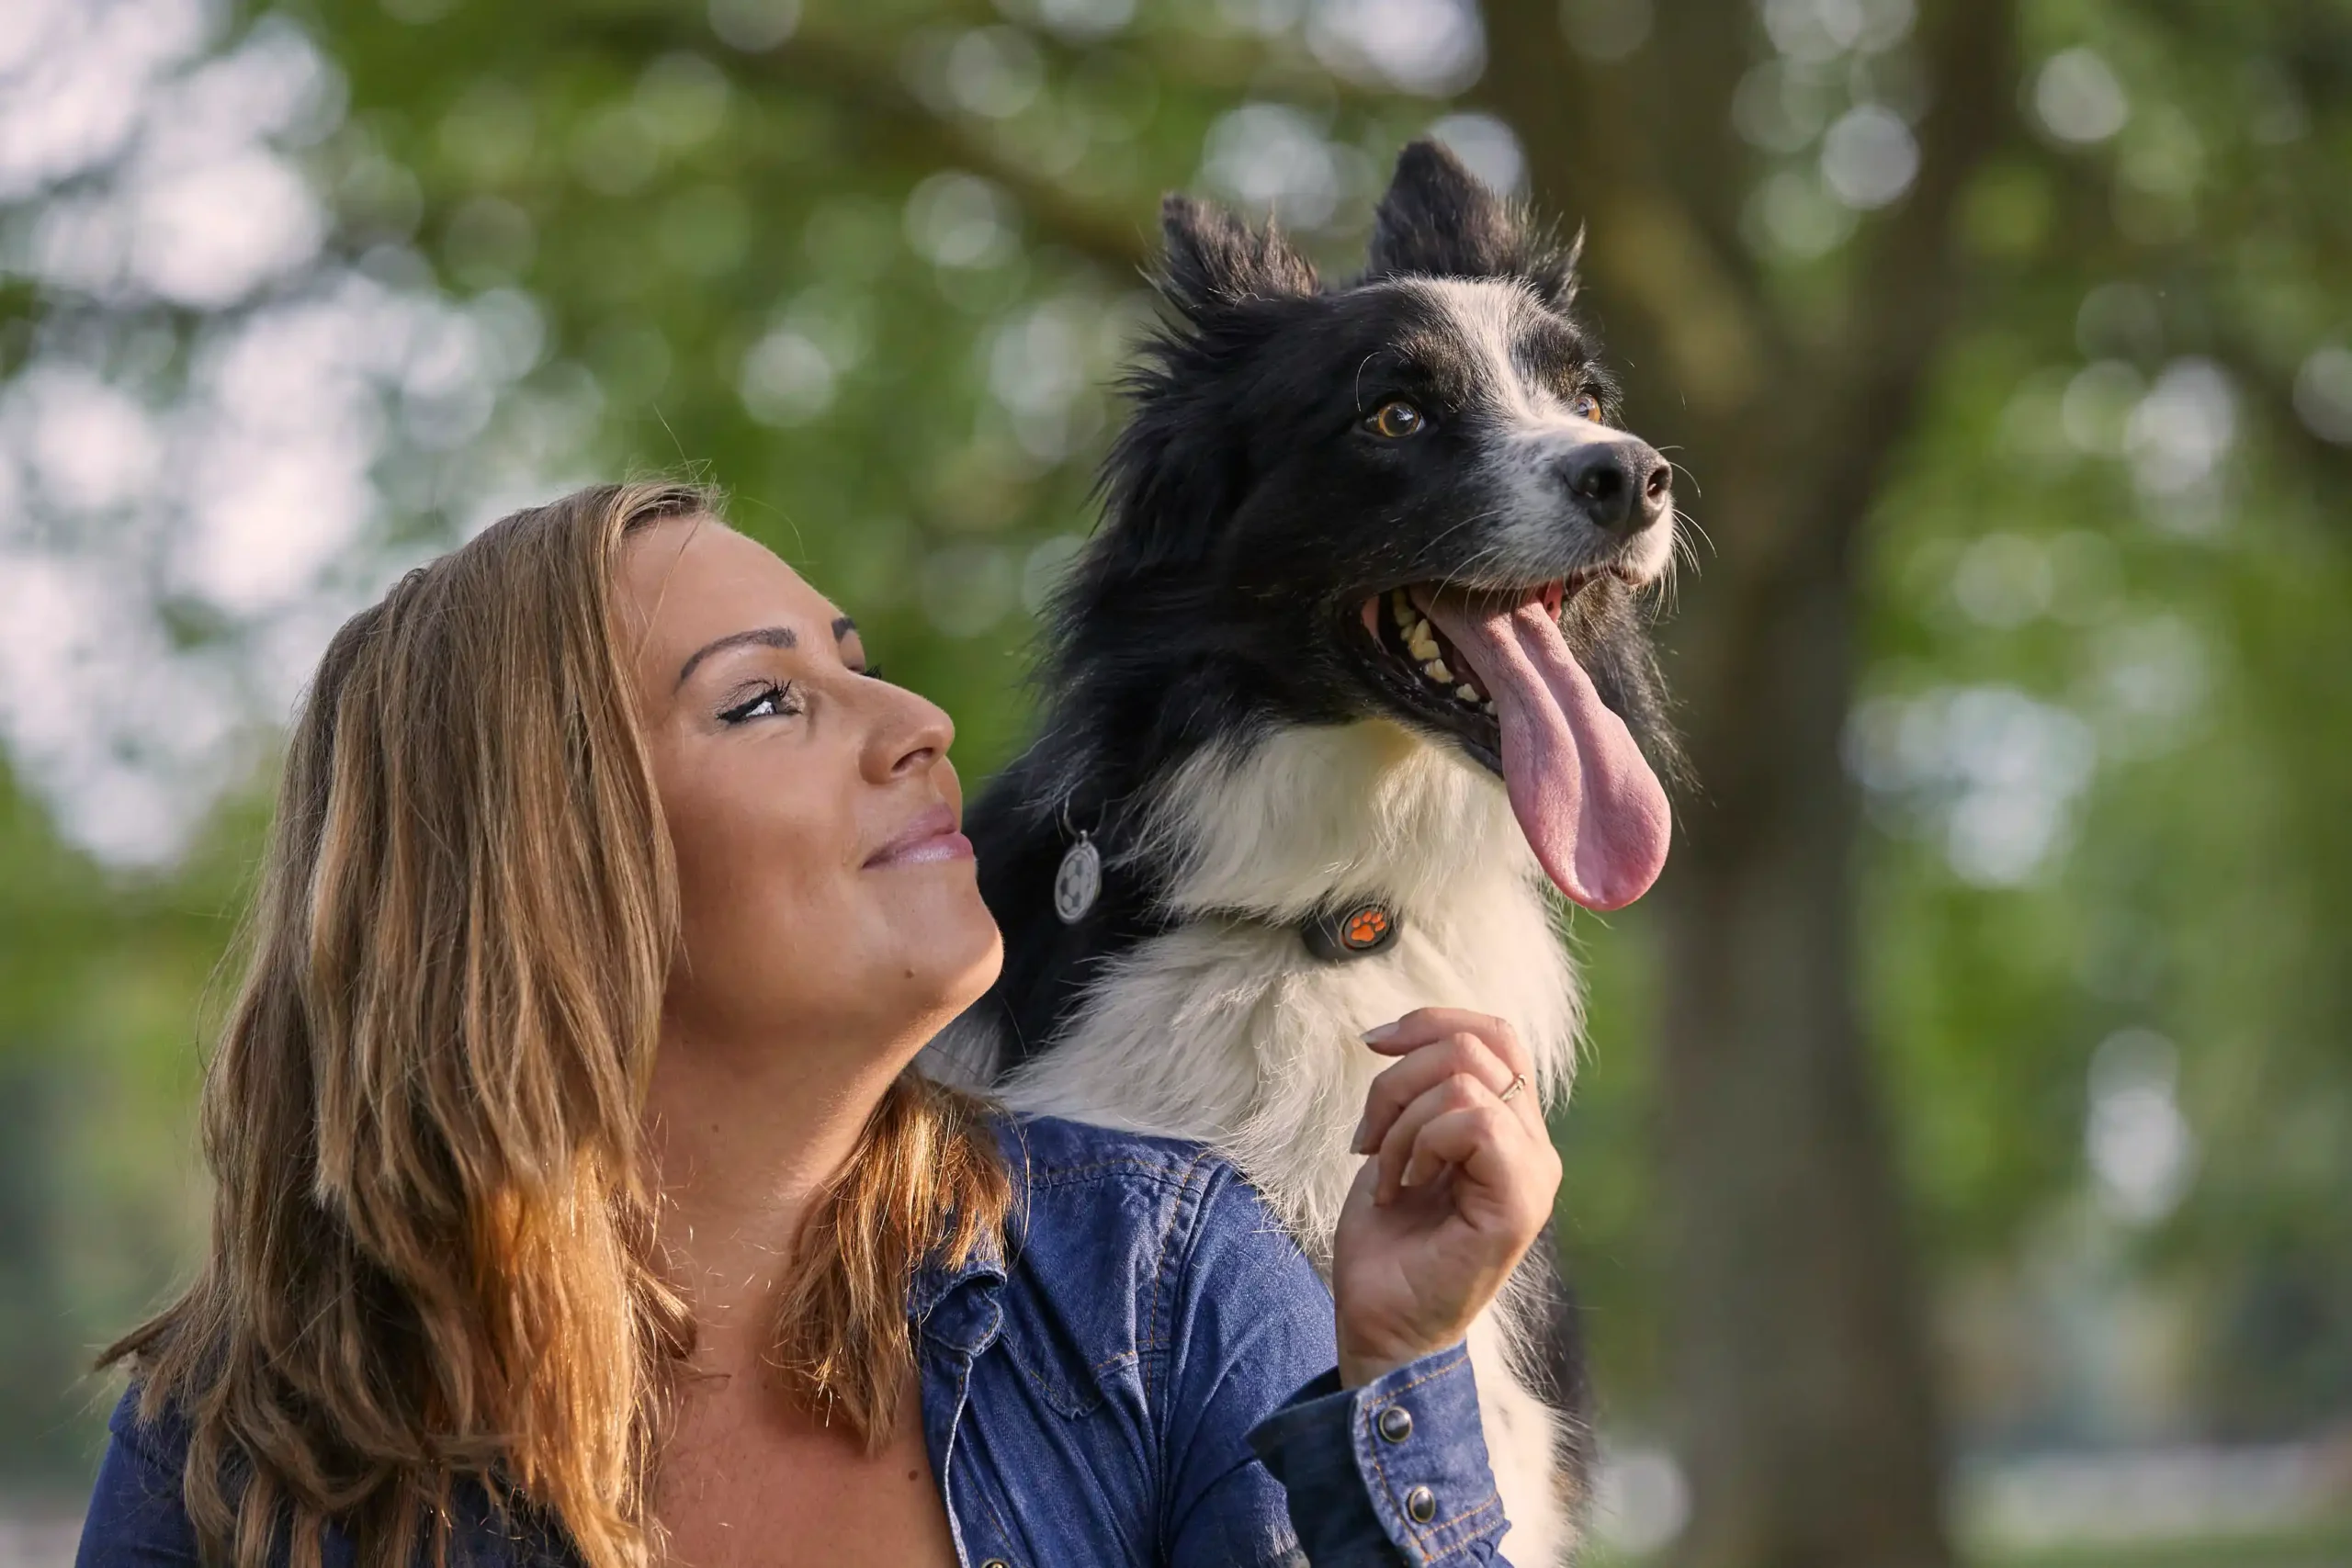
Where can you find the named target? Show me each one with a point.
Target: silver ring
(1518, 1082)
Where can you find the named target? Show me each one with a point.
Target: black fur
(1239, 531)
(1433, 222)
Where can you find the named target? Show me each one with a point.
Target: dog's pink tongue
(1585, 796)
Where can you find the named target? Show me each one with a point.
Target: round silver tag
(1079, 882)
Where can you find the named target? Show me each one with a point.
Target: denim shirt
(1148, 1378)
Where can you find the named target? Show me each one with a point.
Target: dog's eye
(1586, 406)
(1396, 418)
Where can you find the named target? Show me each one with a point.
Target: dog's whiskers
(1691, 523)
(1468, 568)
(1685, 552)
(1487, 516)
(1688, 477)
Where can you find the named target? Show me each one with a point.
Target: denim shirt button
(996, 1563)
(1395, 1423)
(1421, 1503)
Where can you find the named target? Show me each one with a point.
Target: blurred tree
(2004, 346)
(1805, 1411)
(99, 977)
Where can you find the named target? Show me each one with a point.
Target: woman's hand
(1461, 1182)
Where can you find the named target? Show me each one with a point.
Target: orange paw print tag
(1351, 930)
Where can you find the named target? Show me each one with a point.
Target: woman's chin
(957, 964)
(987, 961)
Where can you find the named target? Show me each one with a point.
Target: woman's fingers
(1484, 1047)
(1420, 1070)
(1451, 1093)
(1406, 1157)
(1423, 1025)
(1478, 1175)
(1488, 1149)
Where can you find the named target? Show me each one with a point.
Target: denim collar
(956, 1304)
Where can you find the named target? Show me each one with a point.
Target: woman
(577, 1203)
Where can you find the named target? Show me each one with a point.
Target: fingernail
(1376, 1036)
(1355, 1139)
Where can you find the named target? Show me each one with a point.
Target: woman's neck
(745, 1139)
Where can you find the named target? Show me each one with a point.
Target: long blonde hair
(434, 1255)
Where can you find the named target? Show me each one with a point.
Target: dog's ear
(1214, 259)
(1441, 221)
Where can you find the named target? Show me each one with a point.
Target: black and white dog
(1356, 662)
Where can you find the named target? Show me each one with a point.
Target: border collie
(1355, 664)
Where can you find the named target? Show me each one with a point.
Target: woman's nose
(914, 733)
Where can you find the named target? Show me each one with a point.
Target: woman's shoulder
(1142, 1263)
(139, 1515)
(1048, 1152)
(1058, 1164)
(136, 1513)
(1151, 1314)
(1089, 1192)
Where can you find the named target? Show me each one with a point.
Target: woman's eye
(1586, 406)
(768, 702)
(1396, 418)
(871, 672)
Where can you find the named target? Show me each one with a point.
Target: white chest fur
(1227, 1031)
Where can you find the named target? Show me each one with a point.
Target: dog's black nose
(1619, 485)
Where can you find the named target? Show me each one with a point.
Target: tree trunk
(1802, 1390)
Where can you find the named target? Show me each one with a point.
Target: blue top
(1150, 1381)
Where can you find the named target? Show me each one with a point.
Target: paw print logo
(1366, 928)
(1338, 934)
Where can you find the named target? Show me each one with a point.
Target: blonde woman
(576, 1202)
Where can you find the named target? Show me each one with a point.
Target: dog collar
(1348, 931)
(1336, 934)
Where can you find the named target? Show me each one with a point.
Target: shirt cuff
(1393, 1472)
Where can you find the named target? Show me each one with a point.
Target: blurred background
(1961, 1172)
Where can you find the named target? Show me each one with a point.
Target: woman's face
(827, 896)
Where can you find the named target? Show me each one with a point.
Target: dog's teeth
(1422, 646)
(1488, 704)
(1436, 671)
(1466, 691)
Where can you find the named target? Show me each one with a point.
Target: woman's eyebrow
(843, 627)
(763, 636)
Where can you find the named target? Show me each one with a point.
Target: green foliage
(101, 980)
(877, 281)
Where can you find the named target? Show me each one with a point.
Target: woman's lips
(929, 839)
